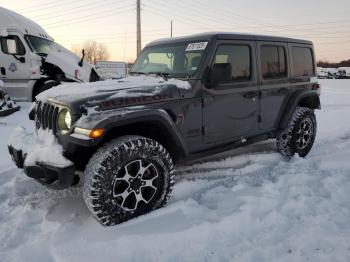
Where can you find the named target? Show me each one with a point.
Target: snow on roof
(12, 20)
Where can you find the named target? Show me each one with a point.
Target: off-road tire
(105, 167)
(287, 141)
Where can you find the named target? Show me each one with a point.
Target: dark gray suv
(185, 98)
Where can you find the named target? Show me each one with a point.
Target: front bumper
(52, 175)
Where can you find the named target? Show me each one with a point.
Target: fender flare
(306, 98)
(158, 117)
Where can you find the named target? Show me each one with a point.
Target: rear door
(230, 109)
(274, 82)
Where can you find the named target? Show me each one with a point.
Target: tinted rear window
(303, 64)
(273, 62)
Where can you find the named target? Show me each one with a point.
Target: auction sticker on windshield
(196, 46)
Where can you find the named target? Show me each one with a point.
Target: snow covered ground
(246, 205)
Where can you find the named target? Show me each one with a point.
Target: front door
(230, 108)
(14, 73)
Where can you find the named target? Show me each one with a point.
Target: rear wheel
(128, 177)
(300, 134)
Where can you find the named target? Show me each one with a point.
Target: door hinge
(204, 130)
(204, 101)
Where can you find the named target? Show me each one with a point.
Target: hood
(68, 63)
(110, 94)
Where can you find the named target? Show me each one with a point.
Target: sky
(113, 22)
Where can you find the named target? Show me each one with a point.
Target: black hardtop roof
(228, 36)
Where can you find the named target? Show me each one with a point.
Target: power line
(48, 5)
(72, 10)
(89, 17)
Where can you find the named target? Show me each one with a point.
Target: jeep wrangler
(185, 98)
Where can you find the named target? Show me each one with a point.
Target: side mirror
(220, 73)
(11, 46)
(82, 58)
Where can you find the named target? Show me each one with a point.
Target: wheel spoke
(140, 198)
(304, 133)
(135, 184)
(123, 195)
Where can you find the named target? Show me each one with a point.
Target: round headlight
(64, 120)
(68, 120)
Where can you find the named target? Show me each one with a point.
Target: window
(273, 62)
(240, 59)
(19, 45)
(177, 60)
(40, 45)
(303, 64)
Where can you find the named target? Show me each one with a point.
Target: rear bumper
(50, 175)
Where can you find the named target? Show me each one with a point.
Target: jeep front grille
(46, 116)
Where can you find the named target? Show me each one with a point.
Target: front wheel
(300, 134)
(127, 177)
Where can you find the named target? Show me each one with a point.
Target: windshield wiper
(137, 73)
(165, 76)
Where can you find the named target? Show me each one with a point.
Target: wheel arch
(39, 83)
(309, 99)
(158, 127)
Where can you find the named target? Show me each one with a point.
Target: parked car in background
(322, 73)
(31, 62)
(331, 72)
(344, 72)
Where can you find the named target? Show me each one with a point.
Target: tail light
(317, 88)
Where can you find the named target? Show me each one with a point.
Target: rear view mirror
(221, 73)
(11, 46)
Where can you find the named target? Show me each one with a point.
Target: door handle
(283, 90)
(3, 70)
(250, 95)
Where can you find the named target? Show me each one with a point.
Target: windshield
(40, 45)
(177, 60)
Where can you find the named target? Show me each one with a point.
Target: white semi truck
(31, 62)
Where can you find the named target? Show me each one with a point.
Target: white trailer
(30, 60)
(110, 70)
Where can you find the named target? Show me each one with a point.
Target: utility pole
(138, 41)
(171, 29)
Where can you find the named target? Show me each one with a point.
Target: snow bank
(40, 146)
(79, 89)
(249, 204)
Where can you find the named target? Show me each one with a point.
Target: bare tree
(93, 51)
